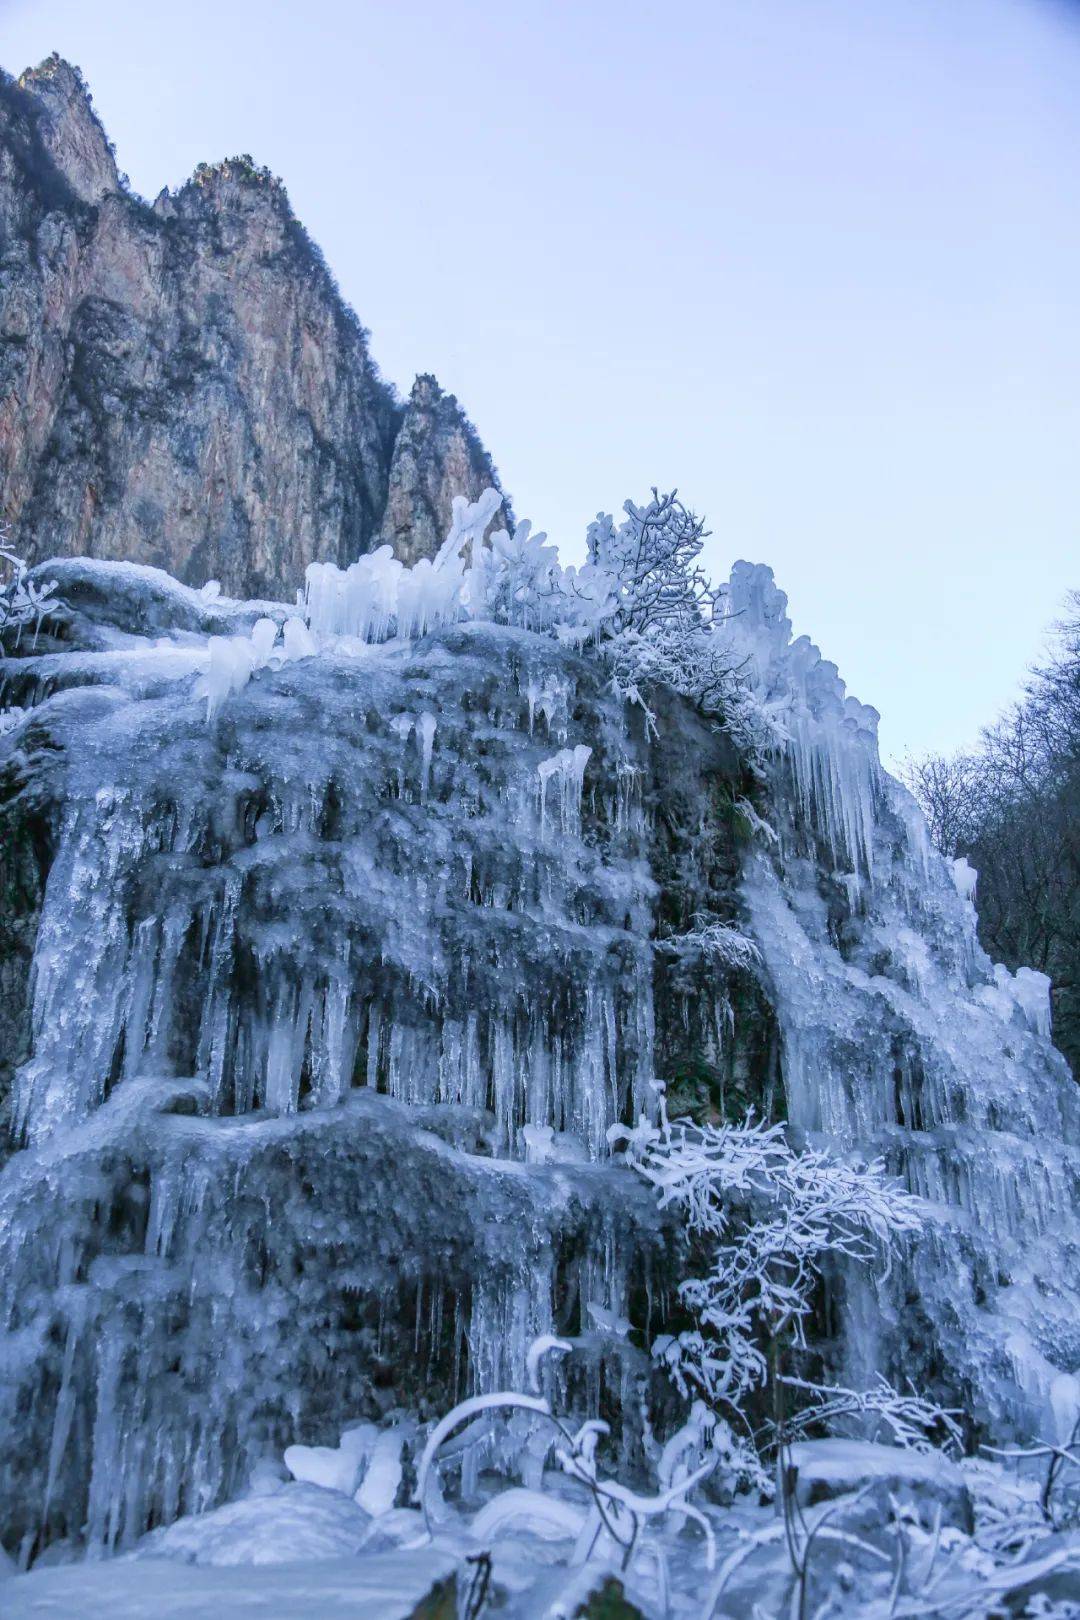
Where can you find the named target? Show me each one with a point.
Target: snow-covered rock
(926, 1481)
(295, 1524)
(384, 1586)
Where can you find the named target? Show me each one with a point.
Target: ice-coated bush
(770, 1215)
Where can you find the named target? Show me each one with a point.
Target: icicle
(377, 596)
(567, 768)
(425, 730)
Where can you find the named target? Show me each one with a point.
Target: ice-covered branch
(22, 602)
(617, 1513)
(909, 1421)
(715, 942)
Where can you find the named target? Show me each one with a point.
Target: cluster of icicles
(827, 742)
(513, 578)
(374, 598)
(377, 596)
(233, 660)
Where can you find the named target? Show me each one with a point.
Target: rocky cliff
(182, 384)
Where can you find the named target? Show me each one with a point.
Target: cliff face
(182, 384)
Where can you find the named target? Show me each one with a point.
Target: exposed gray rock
(182, 384)
(71, 131)
(437, 455)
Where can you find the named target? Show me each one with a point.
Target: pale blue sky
(817, 262)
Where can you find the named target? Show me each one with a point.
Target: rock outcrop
(437, 455)
(182, 384)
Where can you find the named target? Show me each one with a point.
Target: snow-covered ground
(386, 1586)
(877, 1533)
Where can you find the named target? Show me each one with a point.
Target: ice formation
(355, 937)
(899, 1036)
(305, 977)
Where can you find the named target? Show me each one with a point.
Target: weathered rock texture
(437, 455)
(182, 384)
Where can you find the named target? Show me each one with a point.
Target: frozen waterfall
(336, 991)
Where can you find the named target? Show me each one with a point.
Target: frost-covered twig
(616, 1511)
(1058, 1457)
(653, 556)
(716, 942)
(22, 602)
(909, 1419)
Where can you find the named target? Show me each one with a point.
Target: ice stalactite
(277, 937)
(426, 728)
(566, 770)
(827, 740)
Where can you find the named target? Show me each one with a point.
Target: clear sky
(816, 262)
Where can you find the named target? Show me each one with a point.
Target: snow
(382, 1473)
(385, 1586)
(529, 1511)
(844, 1465)
(138, 599)
(334, 1468)
(296, 1523)
(965, 878)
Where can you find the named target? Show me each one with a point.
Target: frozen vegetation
(499, 1089)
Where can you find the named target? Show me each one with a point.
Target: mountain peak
(70, 129)
(190, 389)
